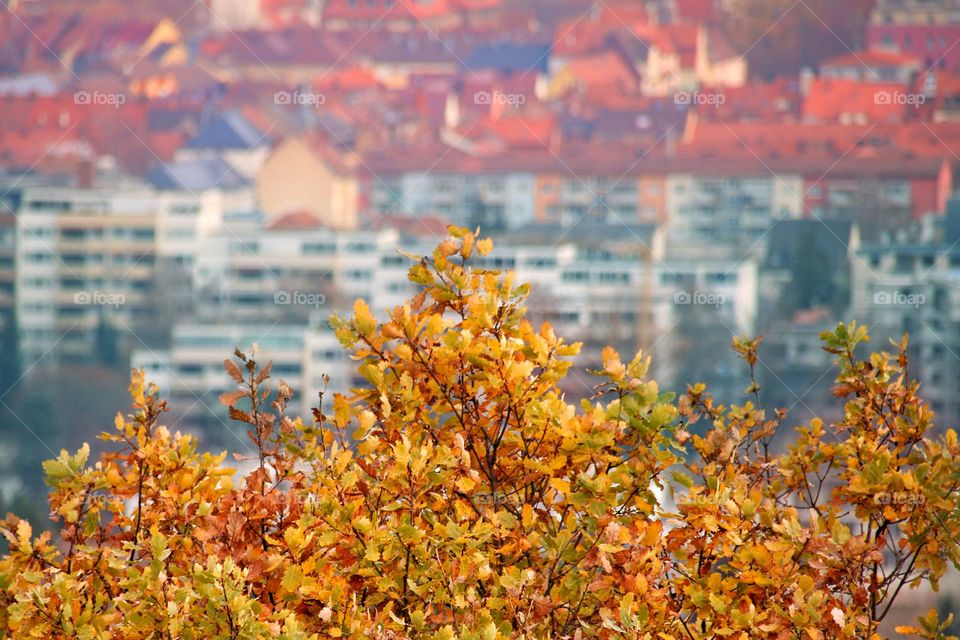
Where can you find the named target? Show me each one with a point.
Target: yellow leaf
(527, 516)
(560, 485)
(366, 419)
(364, 321)
(341, 411)
(490, 631)
(467, 246)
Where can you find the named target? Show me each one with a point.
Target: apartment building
(926, 29)
(295, 273)
(92, 261)
(500, 191)
(726, 205)
(599, 283)
(910, 283)
(713, 203)
(8, 234)
(494, 200)
(191, 373)
(911, 11)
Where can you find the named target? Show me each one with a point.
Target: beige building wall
(295, 178)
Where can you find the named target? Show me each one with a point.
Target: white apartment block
(733, 212)
(915, 288)
(191, 373)
(492, 200)
(511, 200)
(263, 275)
(599, 284)
(90, 256)
(613, 199)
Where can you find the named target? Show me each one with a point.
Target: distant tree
(814, 281)
(106, 342)
(700, 350)
(948, 605)
(781, 37)
(460, 496)
(171, 299)
(31, 415)
(10, 366)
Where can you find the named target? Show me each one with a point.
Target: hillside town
(182, 178)
(246, 168)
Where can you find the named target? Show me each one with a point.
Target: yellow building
(308, 175)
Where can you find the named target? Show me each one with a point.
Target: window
(245, 247)
(540, 263)
(314, 248)
(50, 205)
(286, 369)
(576, 276)
(614, 276)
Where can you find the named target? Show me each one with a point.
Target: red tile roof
(348, 79)
(588, 31)
(385, 10)
(427, 225)
(875, 57)
(830, 100)
(777, 101)
(476, 5)
(295, 221)
(607, 69)
(680, 39)
(697, 11)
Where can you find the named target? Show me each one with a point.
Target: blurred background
(180, 178)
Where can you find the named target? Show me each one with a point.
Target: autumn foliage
(460, 495)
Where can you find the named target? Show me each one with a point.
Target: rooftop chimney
(86, 173)
(806, 77)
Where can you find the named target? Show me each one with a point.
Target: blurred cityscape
(181, 178)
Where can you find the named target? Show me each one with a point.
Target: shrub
(461, 496)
